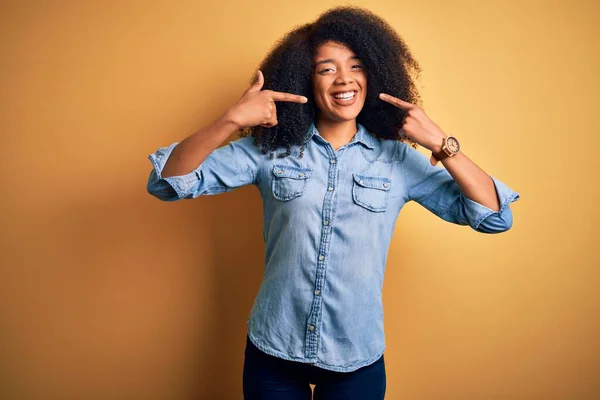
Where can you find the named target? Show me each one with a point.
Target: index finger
(396, 101)
(282, 96)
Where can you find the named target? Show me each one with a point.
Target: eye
(355, 65)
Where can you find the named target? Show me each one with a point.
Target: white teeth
(347, 95)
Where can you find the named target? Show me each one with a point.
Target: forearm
(474, 182)
(194, 149)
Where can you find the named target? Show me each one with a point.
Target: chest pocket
(289, 182)
(371, 192)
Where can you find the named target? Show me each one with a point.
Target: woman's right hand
(257, 107)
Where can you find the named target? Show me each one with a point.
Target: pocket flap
(288, 171)
(374, 182)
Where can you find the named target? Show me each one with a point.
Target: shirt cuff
(157, 184)
(502, 219)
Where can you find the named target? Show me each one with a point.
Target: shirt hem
(319, 364)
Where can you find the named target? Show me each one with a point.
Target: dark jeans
(267, 377)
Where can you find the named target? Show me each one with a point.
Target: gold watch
(450, 147)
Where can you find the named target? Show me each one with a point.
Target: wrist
(438, 144)
(449, 147)
(229, 121)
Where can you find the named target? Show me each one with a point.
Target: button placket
(327, 217)
(316, 309)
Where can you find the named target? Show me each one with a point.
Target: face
(338, 72)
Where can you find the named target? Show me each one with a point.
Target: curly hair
(389, 67)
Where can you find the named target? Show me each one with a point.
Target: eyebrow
(330, 60)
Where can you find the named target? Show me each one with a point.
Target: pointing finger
(282, 96)
(396, 101)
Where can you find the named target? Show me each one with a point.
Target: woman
(335, 99)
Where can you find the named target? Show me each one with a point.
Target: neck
(338, 133)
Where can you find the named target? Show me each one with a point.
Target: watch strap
(437, 157)
(442, 154)
(433, 160)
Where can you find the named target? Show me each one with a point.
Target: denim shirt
(328, 221)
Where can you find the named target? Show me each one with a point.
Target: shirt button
(321, 257)
(332, 161)
(301, 174)
(310, 327)
(317, 292)
(330, 188)
(326, 222)
(385, 185)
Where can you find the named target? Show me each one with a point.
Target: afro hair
(288, 67)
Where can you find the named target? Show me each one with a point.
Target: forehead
(334, 50)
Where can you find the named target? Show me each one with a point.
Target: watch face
(452, 144)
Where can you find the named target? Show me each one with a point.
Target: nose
(344, 77)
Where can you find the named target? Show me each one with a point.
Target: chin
(348, 115)
(344, 114)
(340, 114)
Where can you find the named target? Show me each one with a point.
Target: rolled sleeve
(435, 189)
(486, 220)
(170, 188)
(226, 168)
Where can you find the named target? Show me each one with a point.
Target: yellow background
(108, 293)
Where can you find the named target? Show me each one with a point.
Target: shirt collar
(362, 135)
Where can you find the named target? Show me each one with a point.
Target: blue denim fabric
(328, 221)
(267, 377)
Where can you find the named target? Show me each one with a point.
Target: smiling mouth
(346, 100)
(345, 95)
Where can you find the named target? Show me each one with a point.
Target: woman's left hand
(417, 126)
